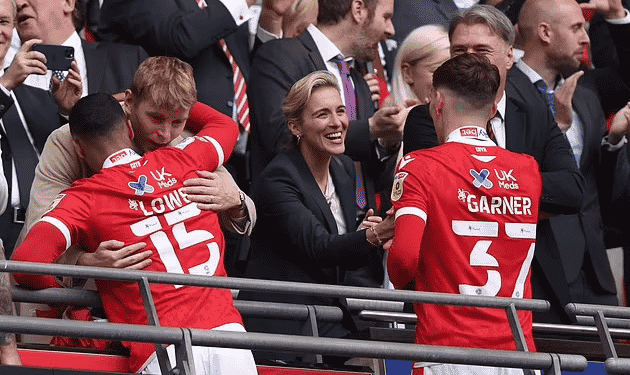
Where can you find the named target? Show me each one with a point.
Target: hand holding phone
(57, 57)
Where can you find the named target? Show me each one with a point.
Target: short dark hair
(95, 116)
(471, 77)
(331, 12)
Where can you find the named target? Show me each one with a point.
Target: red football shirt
(466, 214)
(137, 199)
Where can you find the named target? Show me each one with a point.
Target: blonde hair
(420, 46)
(167, 81)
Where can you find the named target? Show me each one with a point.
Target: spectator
(445, 241)
(131, 207)
(305, 197)
(521, 126)
(110, 68)
(419, 55)
(553, 37)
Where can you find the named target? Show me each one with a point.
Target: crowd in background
(307, 195)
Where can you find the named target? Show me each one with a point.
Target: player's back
(482, 207)
(141, 201)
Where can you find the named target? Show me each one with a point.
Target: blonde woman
(423, 50)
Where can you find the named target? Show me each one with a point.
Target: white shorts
(450, 369)
(212, 361)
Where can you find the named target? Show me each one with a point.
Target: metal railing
(184, 338)
(601, 315)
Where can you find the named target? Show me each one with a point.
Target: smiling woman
(306, 203)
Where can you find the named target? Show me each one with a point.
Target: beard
(566, 65)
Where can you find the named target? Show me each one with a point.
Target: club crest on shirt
(141, 186)
(481, 178)
(55, 203)
(397, 189)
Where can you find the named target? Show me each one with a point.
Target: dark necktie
(550, 97)
(351, 109)
(23, 153)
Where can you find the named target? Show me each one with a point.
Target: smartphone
(57, 57)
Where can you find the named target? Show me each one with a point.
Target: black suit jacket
(277, 65)
(180, 28)
(296, 238)
(530, 129)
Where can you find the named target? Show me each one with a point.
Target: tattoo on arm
(6, 303)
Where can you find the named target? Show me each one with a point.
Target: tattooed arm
(8, 349)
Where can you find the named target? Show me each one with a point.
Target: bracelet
(379, 242)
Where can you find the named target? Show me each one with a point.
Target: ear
(439, 102)
(405, 70)
(359, 11)
(544, 32)
(509, 57)
(130, 130)
(294, 129)
(78, 148)
(128, 101)
(69, 5)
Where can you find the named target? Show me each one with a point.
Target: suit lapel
(95, 63)
(312, 190)
(236, 42)
(313, 52)
(515, 121)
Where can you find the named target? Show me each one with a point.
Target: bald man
(554, 38)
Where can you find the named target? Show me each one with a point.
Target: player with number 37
(466, 214)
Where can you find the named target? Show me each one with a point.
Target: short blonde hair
(167, 81)
(301, 92)
(420, 46)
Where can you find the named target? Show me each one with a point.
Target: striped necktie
(240, 89)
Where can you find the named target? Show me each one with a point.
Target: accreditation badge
(397, 189)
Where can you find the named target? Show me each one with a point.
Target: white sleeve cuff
(266, 36)
(620, 21)
(238, 9)
(610, 147)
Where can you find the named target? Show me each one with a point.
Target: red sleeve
(404, 254)
(207, 121)
(43, 244)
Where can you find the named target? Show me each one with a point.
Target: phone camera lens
(69, 54)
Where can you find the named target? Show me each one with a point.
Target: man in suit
(553, 39)
(519, 126)
(99, 67)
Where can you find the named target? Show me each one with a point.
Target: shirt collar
(535, 77)
(327, 49)
(470, 135)
(501, 106)
(123, 156)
